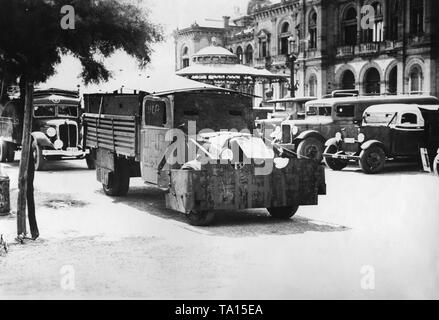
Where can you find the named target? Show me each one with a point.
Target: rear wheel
(372, 160)
(39, 159)
(311, 148)
(284, 213)
(201, 218)
(335, 164)
(119, 181)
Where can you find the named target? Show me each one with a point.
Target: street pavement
(371, 237)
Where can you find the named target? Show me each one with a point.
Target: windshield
(44, 111)
(385, 118)
(319, 111)
(68, 111)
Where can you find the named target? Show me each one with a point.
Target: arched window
(416, 79)
(285, 33)
(349, 26)
(312, 86)
(185, 57)
(249, 55)
(376, 33)
(348, 80)
(240, 54)
(312, 29)
(416, 16)
(372, 81)
(393, 81)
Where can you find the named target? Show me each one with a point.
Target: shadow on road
(254, 222)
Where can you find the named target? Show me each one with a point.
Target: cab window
(409, 118)
(345, 111)
(155, 113)
(319, 111)
(68, 111)
(44, 111)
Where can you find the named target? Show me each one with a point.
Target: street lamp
(292, 60)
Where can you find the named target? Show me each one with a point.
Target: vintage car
(326, 117)
(388, 132)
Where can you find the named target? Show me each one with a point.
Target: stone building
(374, 46)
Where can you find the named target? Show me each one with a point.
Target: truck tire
(335, 164)
(284, 213)
(10, 153)
(3, 151)
(90, 159)
(119, 182)
(201, 218)
(310, 148)
(372, 160)
(40, 161)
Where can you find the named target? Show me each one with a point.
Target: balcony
(279, 61)
(262, 63)
(368, 48)
(345, 51)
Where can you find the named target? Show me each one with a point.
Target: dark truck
(56, 128)
(150, 136)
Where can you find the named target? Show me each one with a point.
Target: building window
(348, 80)
(185, 57)
(372, 82)
(264, 47)
(393, 31)
(312, 86)
(376, 33)
(283, 38)
(393, 81)
(416, 84)
(240, 55)
(312, 29)
(249, 55)
(350, 27)
(416, 16)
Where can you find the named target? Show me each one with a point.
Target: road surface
(371, 237)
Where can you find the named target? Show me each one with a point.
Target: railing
(345, 51)
(371, 47)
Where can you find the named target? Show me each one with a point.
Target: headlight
(227, 155)
(51, 132)
(58, 144)
(361, 138)
(338, 136)
(295, 130)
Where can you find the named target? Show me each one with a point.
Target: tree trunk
(24, 162)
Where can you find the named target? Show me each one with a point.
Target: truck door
(407, 135)
(157, 120)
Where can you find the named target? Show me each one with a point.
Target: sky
(171, 14)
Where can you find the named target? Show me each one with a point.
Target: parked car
(388, 132)
(326, 117)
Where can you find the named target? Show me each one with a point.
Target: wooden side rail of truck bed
(118, 134)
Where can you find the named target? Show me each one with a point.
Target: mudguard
(310, 134)
(331, 142)
(371, 143)
(42, 139)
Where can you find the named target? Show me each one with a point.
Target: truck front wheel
(436, 165)
(372, 160)
(335, 164)
(39, 159)
(284, 213)
(91, 160)
(311, 148)
(119, 181)
(201, 218)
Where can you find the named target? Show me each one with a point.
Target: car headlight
(295, 130)
(227, 155)
(361, 138)
(338, 136)
(51, 132)
(58, 144)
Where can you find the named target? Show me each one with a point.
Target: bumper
(73, 153)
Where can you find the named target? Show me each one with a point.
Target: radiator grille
(68, 135)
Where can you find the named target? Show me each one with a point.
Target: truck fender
(331, 142)
(310, 134)
(41, 139)
(371, 143)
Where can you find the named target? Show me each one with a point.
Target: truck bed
(112, 132)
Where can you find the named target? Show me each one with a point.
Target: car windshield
(68, 111)
(319, 111)
(379, 117)
(44, 111)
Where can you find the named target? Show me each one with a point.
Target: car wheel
(284, 213)
(335, 164)
(119, 181)
(372, 160)
(91, 162)
(311, 148)
(3, 151)
(201, 218)
(436, 165)
(40, 161)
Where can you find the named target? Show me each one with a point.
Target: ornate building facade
(374, 46)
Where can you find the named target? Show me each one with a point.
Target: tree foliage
(32, 40)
